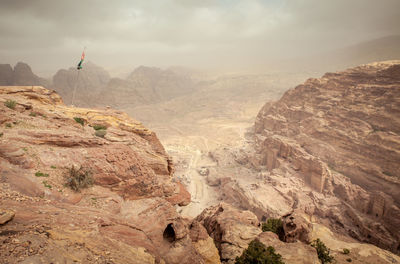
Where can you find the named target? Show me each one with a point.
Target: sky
(231, 35)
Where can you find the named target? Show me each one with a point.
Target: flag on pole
(82, 58)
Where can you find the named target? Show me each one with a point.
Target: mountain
(380, 49)
(157, 85)
(21, 74)
(92, 80)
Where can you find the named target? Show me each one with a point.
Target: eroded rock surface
(340, 134)
(127, 216)
(231, 229)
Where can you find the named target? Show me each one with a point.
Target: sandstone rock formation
(128, 216)
(231, 229)
(293, 253)
(340, 134)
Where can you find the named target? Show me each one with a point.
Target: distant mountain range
(146, 85)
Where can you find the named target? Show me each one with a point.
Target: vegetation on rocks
(41, 174)
(322, 251)
(274, 225)
(258, 253)
(79, 120)
(99, 127)
(10, 104)
(78, 179)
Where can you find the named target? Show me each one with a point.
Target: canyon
(323, 156)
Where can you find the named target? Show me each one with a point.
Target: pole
(76, 85)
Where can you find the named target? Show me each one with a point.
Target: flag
(82, 58)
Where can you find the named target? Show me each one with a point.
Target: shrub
(100, 133)
(346, 251)
(274, 225)
(348, 260)
(79, 120)
(77, 179)
(46, 184)
(99, 127)
(53, 167)
(10, 104)
(257, 253)
(41, 174)
(322, 251)
(8, 125)
(32, 114)
(1, 134)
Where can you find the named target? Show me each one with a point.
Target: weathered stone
(6, 216)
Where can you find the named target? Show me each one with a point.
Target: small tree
(257, 253)
(274, 225)
(322, 251)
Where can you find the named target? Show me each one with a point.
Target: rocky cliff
(341, 135)
(127, 216)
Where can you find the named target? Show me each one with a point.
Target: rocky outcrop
(127, 216)
(340, 134)
(293, 253)
(231, 229)
(296, 228)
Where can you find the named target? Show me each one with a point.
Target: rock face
(293, 253)
(127, 216)
(231, 229)
(341, 135)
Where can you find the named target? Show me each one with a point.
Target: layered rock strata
(127, 216)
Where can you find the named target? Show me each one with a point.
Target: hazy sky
(50, 34)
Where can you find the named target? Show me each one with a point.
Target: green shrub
(322, 251)
(41, 174)
(77, 179)
(46, 184)
(257, 253)
(10, 104)
(1, 134)
(100, 133)
(99, 127)
(8, 125)
(346, 251)
(274, 225)
(32, 114)
(348, 260)
(79, 120)
(53, 167)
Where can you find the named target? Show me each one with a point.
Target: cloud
(50, 34)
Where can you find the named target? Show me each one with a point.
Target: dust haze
(232, 36)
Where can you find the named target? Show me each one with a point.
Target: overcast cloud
(50, 34)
